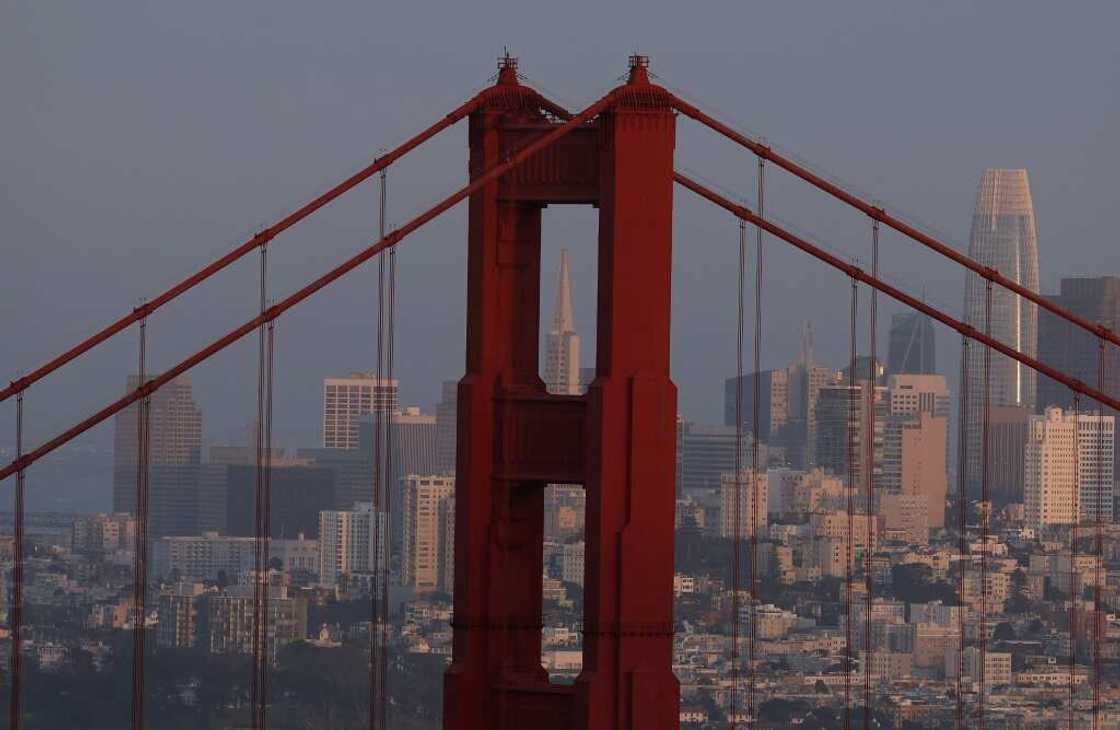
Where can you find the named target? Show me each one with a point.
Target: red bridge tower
(618, 440)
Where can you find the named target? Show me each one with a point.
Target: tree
(914, 583)
(1004, 632)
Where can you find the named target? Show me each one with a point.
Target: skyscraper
(773, 406)
(910, 347)
(803, 386)
(1064, 480)
(299, 494)
(561, 360)
(350, 541)
(424, 548)
(1003, 237)
(1075, 351)
(446, 416)
(174, 449)
(915, 442)
(346, 400)
(842, 430)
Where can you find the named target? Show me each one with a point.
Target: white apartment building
(426, 546)
(346, 400)
(103, 533)
(350, 541)
(210, 555)
(1068, 472)
(997, 666)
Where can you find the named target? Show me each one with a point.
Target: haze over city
(426, 478)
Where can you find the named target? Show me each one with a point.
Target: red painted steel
(619, 439)
(322, 282)
(877, 213)
(21, 384)
(836, 262)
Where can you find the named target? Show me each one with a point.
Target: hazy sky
(142, 140)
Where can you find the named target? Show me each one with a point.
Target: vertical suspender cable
(140, 558)
(266, 531)
(850, 435)
(736, 535)
(1073, 577)
(1098, 547)
(377, 409)
(985, 506)
(255, 689)
(962, 521)
(756, 417)
(388, 482)
(870, 481)
(15, 616)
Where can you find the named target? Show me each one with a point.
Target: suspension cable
(736, 535)
(962, 519)
(850, 436)
(756, 417)
(140, 557)
(985, 505)
(870, 481)
(15, 615)
(377, 408)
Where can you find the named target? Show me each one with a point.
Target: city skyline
(783, 495)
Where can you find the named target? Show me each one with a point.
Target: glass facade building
(1003, 237)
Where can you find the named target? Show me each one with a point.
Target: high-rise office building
(1068, 468)
(914, 455)
(842, 426)
(1075, 351)
(804, 382)
(174, 444)
(346, 400)
(415, 443)
(1070, 348)
(911, 394)
(447, 544)
(910, 345)
(707, 452)
(299, 494)
(1003, 237)
(1007, 441)
(562, 347)
(911, 462)
(751, 494)
(425, 548)
(350, 541)
(773, 403)
(446, 417)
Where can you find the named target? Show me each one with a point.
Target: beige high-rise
(346, 400)
(427, 530)
(1068, 468)
(175, 443)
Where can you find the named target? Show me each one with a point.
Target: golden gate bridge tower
(618, 440)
